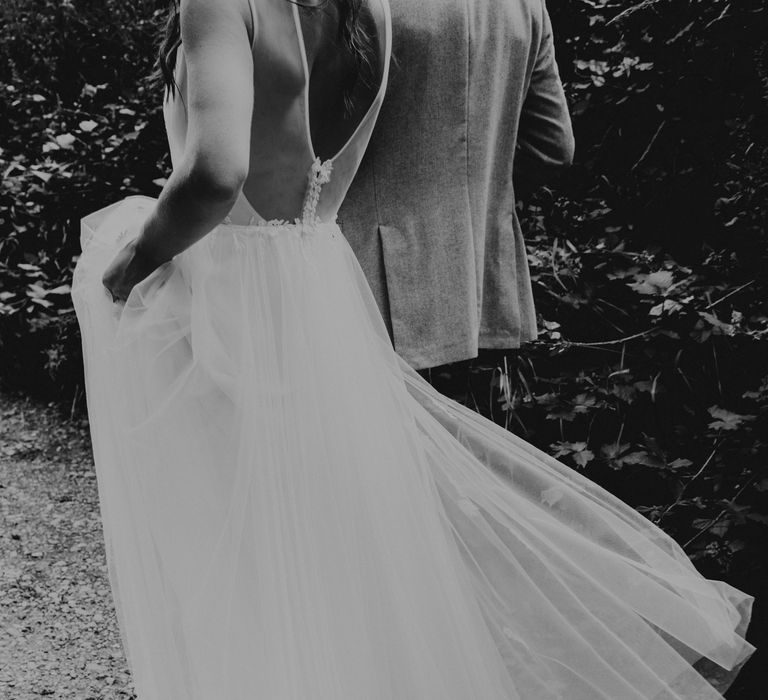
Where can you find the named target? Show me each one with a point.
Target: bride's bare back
(298, 114)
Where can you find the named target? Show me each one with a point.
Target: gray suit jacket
(431, 213)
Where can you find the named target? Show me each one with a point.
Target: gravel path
(58, 633)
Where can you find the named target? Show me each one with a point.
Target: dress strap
(254, 27)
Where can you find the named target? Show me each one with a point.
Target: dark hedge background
(649, 259)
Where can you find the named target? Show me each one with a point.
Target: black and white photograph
(384, 349)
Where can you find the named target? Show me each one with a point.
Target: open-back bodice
(287, 181)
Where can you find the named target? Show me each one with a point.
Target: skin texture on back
(241, 124)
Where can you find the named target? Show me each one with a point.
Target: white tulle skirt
(291, 513)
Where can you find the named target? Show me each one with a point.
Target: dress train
(290, 512)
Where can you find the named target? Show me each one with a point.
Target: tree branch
(601, 343)
(645, 4)
(721, 514)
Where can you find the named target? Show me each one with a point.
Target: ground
(58, 632)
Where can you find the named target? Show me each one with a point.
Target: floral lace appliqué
(256, 220)
(319, 174)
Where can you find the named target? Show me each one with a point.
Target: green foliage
(650, 267)
(668, 100)
(81, 128)
(651, 371)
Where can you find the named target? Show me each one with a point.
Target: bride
(290, 512)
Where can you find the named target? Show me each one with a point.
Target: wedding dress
(291, 513)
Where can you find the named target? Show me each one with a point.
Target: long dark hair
(352, 37)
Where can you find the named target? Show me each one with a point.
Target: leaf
(566, 448)
(583, 457)
(641, 457)
(562, 413)
(65, 140)
(680, 463)
(726, 420)
(669, 306)
(612, 450)
(61, 289)
(35, 290)
(578, 450)
(717, 324)
(624, 392)
(43, 176)
(622, 274)
(42, 302)
(720, 528)
(653, 283)
(583, 402)
(12, 167)
(651, 387)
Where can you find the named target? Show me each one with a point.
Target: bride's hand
(129, 267)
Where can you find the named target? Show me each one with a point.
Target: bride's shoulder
(201, 18)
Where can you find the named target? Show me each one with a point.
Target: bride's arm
(202, 190)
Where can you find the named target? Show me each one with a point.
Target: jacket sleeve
(545, 143)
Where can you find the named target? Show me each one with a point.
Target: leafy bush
(650, 268)
(81, 128)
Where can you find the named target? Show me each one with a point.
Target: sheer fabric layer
(292, 513)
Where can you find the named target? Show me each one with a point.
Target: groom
(474, 89)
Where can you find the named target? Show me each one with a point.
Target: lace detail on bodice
(256, 220)
(319, 174)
